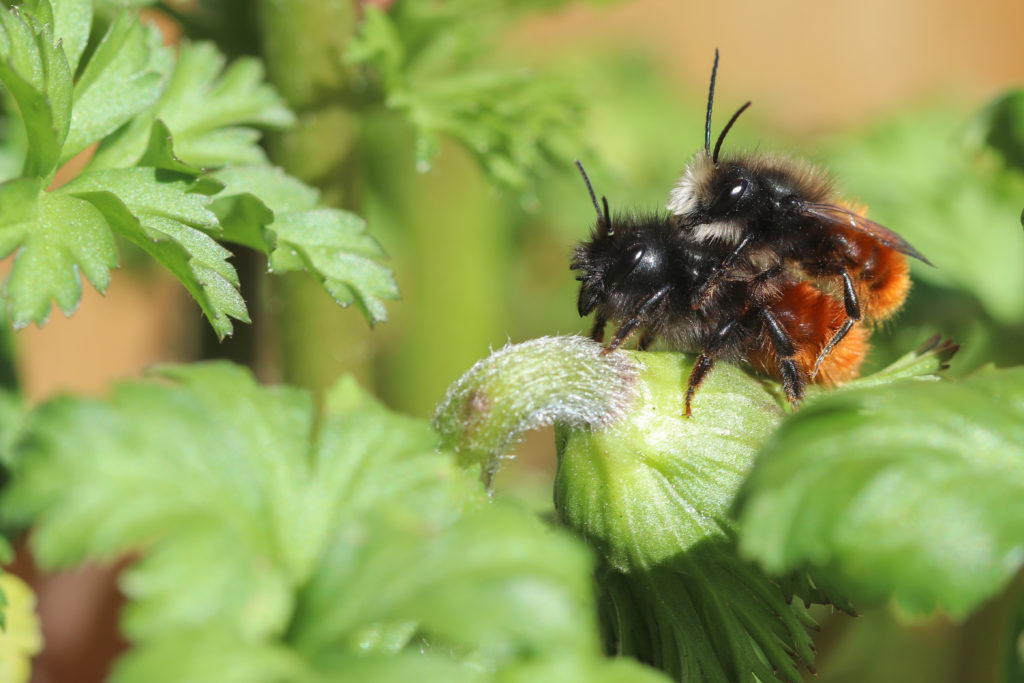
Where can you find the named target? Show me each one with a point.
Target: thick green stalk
(304, 42)
(453, 274)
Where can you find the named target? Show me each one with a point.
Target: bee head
(618, 268)
(720, 199)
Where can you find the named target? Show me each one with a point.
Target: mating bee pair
(742, 268)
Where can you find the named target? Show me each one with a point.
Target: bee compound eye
(628, 262)
(730, 196)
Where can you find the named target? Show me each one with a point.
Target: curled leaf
(529, 385)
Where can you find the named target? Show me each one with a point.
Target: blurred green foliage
(281, 544)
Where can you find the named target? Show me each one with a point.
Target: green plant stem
(455, 274)
(304, 43)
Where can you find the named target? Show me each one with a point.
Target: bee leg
(711, 284)
(793, 382)
(705, 361)
(700, 370)
(630, 324)
(852, 316)
(597, 331)
(767, 275)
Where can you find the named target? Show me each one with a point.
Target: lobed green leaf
(125, 75)
(211, 654)
(914, 492)
(60, 237)
(156, 210)
(35, 70)
(204, 104)
(70, 21)
(263, 208)
(315, 547)
(512, 121)
(503, 561)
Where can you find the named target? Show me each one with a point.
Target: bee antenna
(602, 218)
(721, 138)
(590, 189)
(711, 101)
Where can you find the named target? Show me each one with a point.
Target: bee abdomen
(882, 283)
(811, 318)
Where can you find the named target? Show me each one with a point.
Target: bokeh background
(890, 95)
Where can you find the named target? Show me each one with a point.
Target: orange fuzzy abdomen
(810, 318)
(880, 275)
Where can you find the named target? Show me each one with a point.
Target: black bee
(645, 272)
(772, 210)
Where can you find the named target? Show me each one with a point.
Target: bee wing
(845, 218)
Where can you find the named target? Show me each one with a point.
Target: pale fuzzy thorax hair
(694, 189)
(694, 186)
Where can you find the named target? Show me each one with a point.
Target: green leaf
(925, 362)
(1000, 126)
(335, 248)
(204, 105)
(156, 211)
(613, 670)
(913, 492)
(59, 236)
(495, 556)
(298, 234)
(433, 668)
(512, 120)
(311, 553)
(37, 74)
(70, 19)
(124, 76)
(210, 654)
(160, 153)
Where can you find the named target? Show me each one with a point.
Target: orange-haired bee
(644, 272)
(771, 211)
